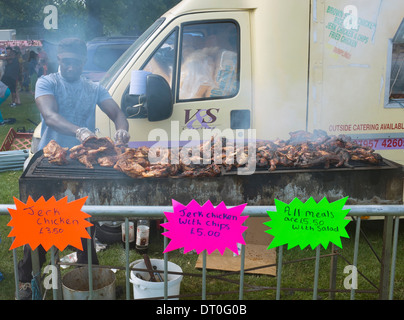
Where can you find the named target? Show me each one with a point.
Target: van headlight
(34, 144)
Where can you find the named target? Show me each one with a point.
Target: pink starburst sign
(196, 227)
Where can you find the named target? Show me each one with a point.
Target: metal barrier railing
(391, 214)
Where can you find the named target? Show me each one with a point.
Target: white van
(275, 66)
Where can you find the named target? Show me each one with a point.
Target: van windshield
(121, 63)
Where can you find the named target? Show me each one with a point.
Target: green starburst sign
(309, 223)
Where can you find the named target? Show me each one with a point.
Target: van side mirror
(159, 102)
(156, 104)
(133, 106)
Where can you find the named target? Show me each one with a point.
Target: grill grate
(40, 167)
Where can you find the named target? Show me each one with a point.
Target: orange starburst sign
(48, 223)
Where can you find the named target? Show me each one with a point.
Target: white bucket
(146, 289)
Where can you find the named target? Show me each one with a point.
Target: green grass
(22, 113)
(9, 186)
(294, 276)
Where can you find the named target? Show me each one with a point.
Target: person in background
(18, 55)
(25, 71)
(33, 70)
(11, 74)
(42, 55)
(43, 62)
(67, 102)
(4, 94)
(42, 69)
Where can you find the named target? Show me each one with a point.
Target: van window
(125, 58)
(209, 61)
(396, 93)
(397, 72)
(163, 60)
(106, 55)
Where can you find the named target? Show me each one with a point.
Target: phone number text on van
(382, 144)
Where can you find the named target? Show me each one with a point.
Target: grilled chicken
(211, 158)
(130, 168)
(129, 164)
(55, 153)
(95, 150)
(107, 161)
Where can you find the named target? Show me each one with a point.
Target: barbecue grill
(363, 184)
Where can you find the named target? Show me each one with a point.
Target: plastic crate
(16, 140)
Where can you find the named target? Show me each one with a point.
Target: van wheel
(108, 234)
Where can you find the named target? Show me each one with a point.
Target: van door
(206, 60)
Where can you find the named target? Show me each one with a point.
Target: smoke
(205, 149)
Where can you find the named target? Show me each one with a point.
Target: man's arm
(111, 109)
(49, 108)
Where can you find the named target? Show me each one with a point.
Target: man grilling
(67, 103)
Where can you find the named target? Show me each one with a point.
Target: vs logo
(205, 117)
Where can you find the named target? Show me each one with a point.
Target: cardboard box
(256, 253)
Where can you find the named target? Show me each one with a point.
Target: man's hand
(83, 133)
(113, 112)
(122, 136)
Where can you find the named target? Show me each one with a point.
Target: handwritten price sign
(195, 227)
(48, 223)
(308, 223)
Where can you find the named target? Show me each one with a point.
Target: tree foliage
(21, 13)
(84, 18)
